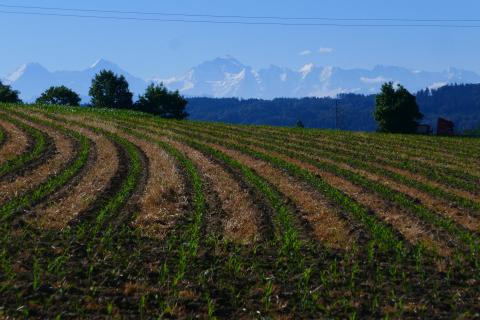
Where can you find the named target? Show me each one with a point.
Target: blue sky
(162, 49)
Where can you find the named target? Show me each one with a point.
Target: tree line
(349, 111)
(109, 90)
(396, 111)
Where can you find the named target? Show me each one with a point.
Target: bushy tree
(109, 90)
(59, 96)
(160, 101)
(299, 124)
(8, 95)
(396, 110)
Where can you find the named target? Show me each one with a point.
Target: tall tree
(160, 101)
(8, 95)
(299, 124)
(109, 90)
(59, 96)
(396, 110)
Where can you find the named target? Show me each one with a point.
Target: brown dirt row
(446, 157)
(458, 164)
(16, 142)
(424, 179)
(5, 136)
(323, 218)
(441, 206)
(30, 166)
(163, 200)
(63, 152)
(412, 229)
(410, 175)
(57, 213)
(241, 222)
(444, 160)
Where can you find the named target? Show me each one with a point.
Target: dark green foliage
(473, 133)
(459, 103)
(159, 101)
(109, 90)
(8, 95)
(314, 112)
(396, 110)
(299, 124)
(59, 96)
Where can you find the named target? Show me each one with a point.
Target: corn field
(118, 214)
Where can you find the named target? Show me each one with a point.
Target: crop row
(371, 165)
(404, 201)
(389, 158)
(389, 146)
(461, 147)
(39, 147)
(102, 265)
(385, 237)
(468, 238)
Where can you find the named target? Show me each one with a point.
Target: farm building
(445, 127)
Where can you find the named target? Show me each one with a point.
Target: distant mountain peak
(32, 79)
(227, 60)
(31, 68)
(103, 64)
(226, 76)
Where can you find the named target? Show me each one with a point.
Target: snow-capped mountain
(32, 79)
(228, 77)
(221, 77)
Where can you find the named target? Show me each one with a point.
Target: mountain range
(228, 77)
(32, 79)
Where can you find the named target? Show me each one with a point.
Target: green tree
(160, 101)
(59, 96)
(299, 124)
(396, 110)
(8, 95)
(109, 90)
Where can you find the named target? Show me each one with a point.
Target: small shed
(445, 127)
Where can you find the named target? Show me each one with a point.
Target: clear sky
(162, 49)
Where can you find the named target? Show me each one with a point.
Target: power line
(236, 16)
(206, 21)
